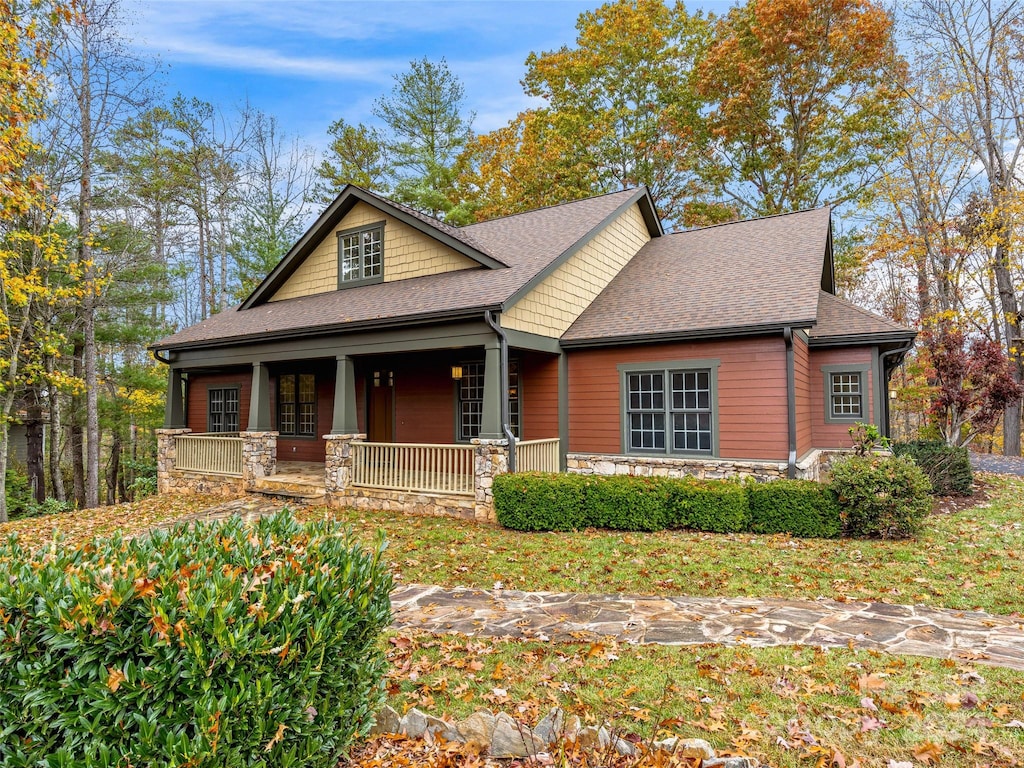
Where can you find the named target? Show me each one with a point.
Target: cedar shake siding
(801, 369)
(407, 253)
(751, 394)
(836, 434)
(197, 397)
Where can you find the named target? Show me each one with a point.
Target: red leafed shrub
(974, 383)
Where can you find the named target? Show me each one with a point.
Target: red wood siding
(836, 435)
(802, 375)
(424, 397)
(197, 399)
(751, 394)
(538, 374)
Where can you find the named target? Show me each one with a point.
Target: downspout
(489, 318)
(887, 370)
(787, 335)
(156, 354)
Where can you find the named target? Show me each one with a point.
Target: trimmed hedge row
(565, 502)
(948, 468)
(217, 644)
(870, 496)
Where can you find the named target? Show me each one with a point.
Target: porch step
(303, 491)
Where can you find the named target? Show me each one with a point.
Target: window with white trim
(669, 410)
(222, 413)
(846, 395)
(361, 255)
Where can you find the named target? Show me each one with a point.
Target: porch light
(456, 371)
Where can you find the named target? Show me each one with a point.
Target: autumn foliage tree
(973, 382)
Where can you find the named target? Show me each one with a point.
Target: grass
(969, 559)
(785, 706)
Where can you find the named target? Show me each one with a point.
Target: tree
(974, 381)
(803, 97)
(357, 154)
(973, 49)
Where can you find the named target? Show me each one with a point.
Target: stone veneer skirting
(808, 468)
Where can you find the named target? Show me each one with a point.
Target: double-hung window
(845, 392)
(361, 255)
(670, 408)
(222, 409)
(471, 399)
(296, 404)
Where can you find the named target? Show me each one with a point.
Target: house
(376, 349)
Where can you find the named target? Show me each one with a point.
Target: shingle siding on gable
(407, 253)
(552, 306)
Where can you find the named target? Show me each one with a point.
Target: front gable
(408, 252)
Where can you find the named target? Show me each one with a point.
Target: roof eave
(862, 339)
(701, 333)
(327, 330)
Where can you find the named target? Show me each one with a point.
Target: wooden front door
(381, 407)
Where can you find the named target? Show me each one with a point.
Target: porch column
(490, 425)
(344, 422)
(174, 410)
(259, 399)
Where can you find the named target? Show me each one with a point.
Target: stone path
(916, 630)
(993, 462)
(758, 622)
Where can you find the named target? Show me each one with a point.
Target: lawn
(969, 559)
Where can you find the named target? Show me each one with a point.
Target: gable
(408, 252)
(554, 303)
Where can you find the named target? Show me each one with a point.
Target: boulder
(414, 724)
(513, 739)
(387, 721)
(552, 727)
(477, 729)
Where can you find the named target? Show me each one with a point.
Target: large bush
(627, 503)
(948, 468)
(215, 645)
(881, 496)
(540, 502)
(719, 506)
(797, 507)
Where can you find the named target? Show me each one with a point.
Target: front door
(381, 407)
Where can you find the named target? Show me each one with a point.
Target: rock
(694, 748)
(666, 745)
(436, 725)
(624, 747)
(552, 727)
(387, 721)
(571, 732)
(414, 724)
(593, 738)
(513, 739)
(729, 762)
(604, 739)
(477, 729)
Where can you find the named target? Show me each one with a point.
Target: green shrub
(948, 468)
(19, 494)
(879, 496)
(626, 503)
(797, 507)
(533, 501)
(217, 645)
(719, 506)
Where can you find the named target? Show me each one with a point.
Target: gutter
(767, 329)
(887, 370)
(787, 335)
(156, 354)
(495, 324)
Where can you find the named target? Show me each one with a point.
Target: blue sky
(310, 62)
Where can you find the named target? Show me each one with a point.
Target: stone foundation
(259, 456)
(706, 469)
(490, 459)
(375, 500)
(187, 483)
(166, 454)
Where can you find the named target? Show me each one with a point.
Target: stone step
(308, 496)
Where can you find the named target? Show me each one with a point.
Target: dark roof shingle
(839, 319)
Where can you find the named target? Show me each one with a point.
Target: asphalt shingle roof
(763, 272)
(839, 319)
(526, 242)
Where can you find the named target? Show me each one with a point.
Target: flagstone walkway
(758, 622)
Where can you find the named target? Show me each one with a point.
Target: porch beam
(563, 410)
(174, 409)
(490, 425)
(259, 399)
(344, 422)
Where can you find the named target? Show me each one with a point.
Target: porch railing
(414, 467)
(212, 452)
(537, 455)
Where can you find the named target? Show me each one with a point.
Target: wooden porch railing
(537, 455)
(414, 467)
(213, 452)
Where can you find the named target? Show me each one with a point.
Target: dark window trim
(223, 388)
(342, 283)
(296, 435)
(666, 368)
(853, 368)
(459, 439)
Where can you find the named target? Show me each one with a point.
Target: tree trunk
(34, 446)
(1011, 330)
(113, 468)
(75, 431)
(54, 453)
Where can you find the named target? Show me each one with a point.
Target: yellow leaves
(870, 682)
(114, 679)
(928, 752)
(276, 738)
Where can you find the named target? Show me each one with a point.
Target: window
(471, 399)
(671, 409)
(845, 395)
(361, 255)
(222, 409)
(296, 404)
